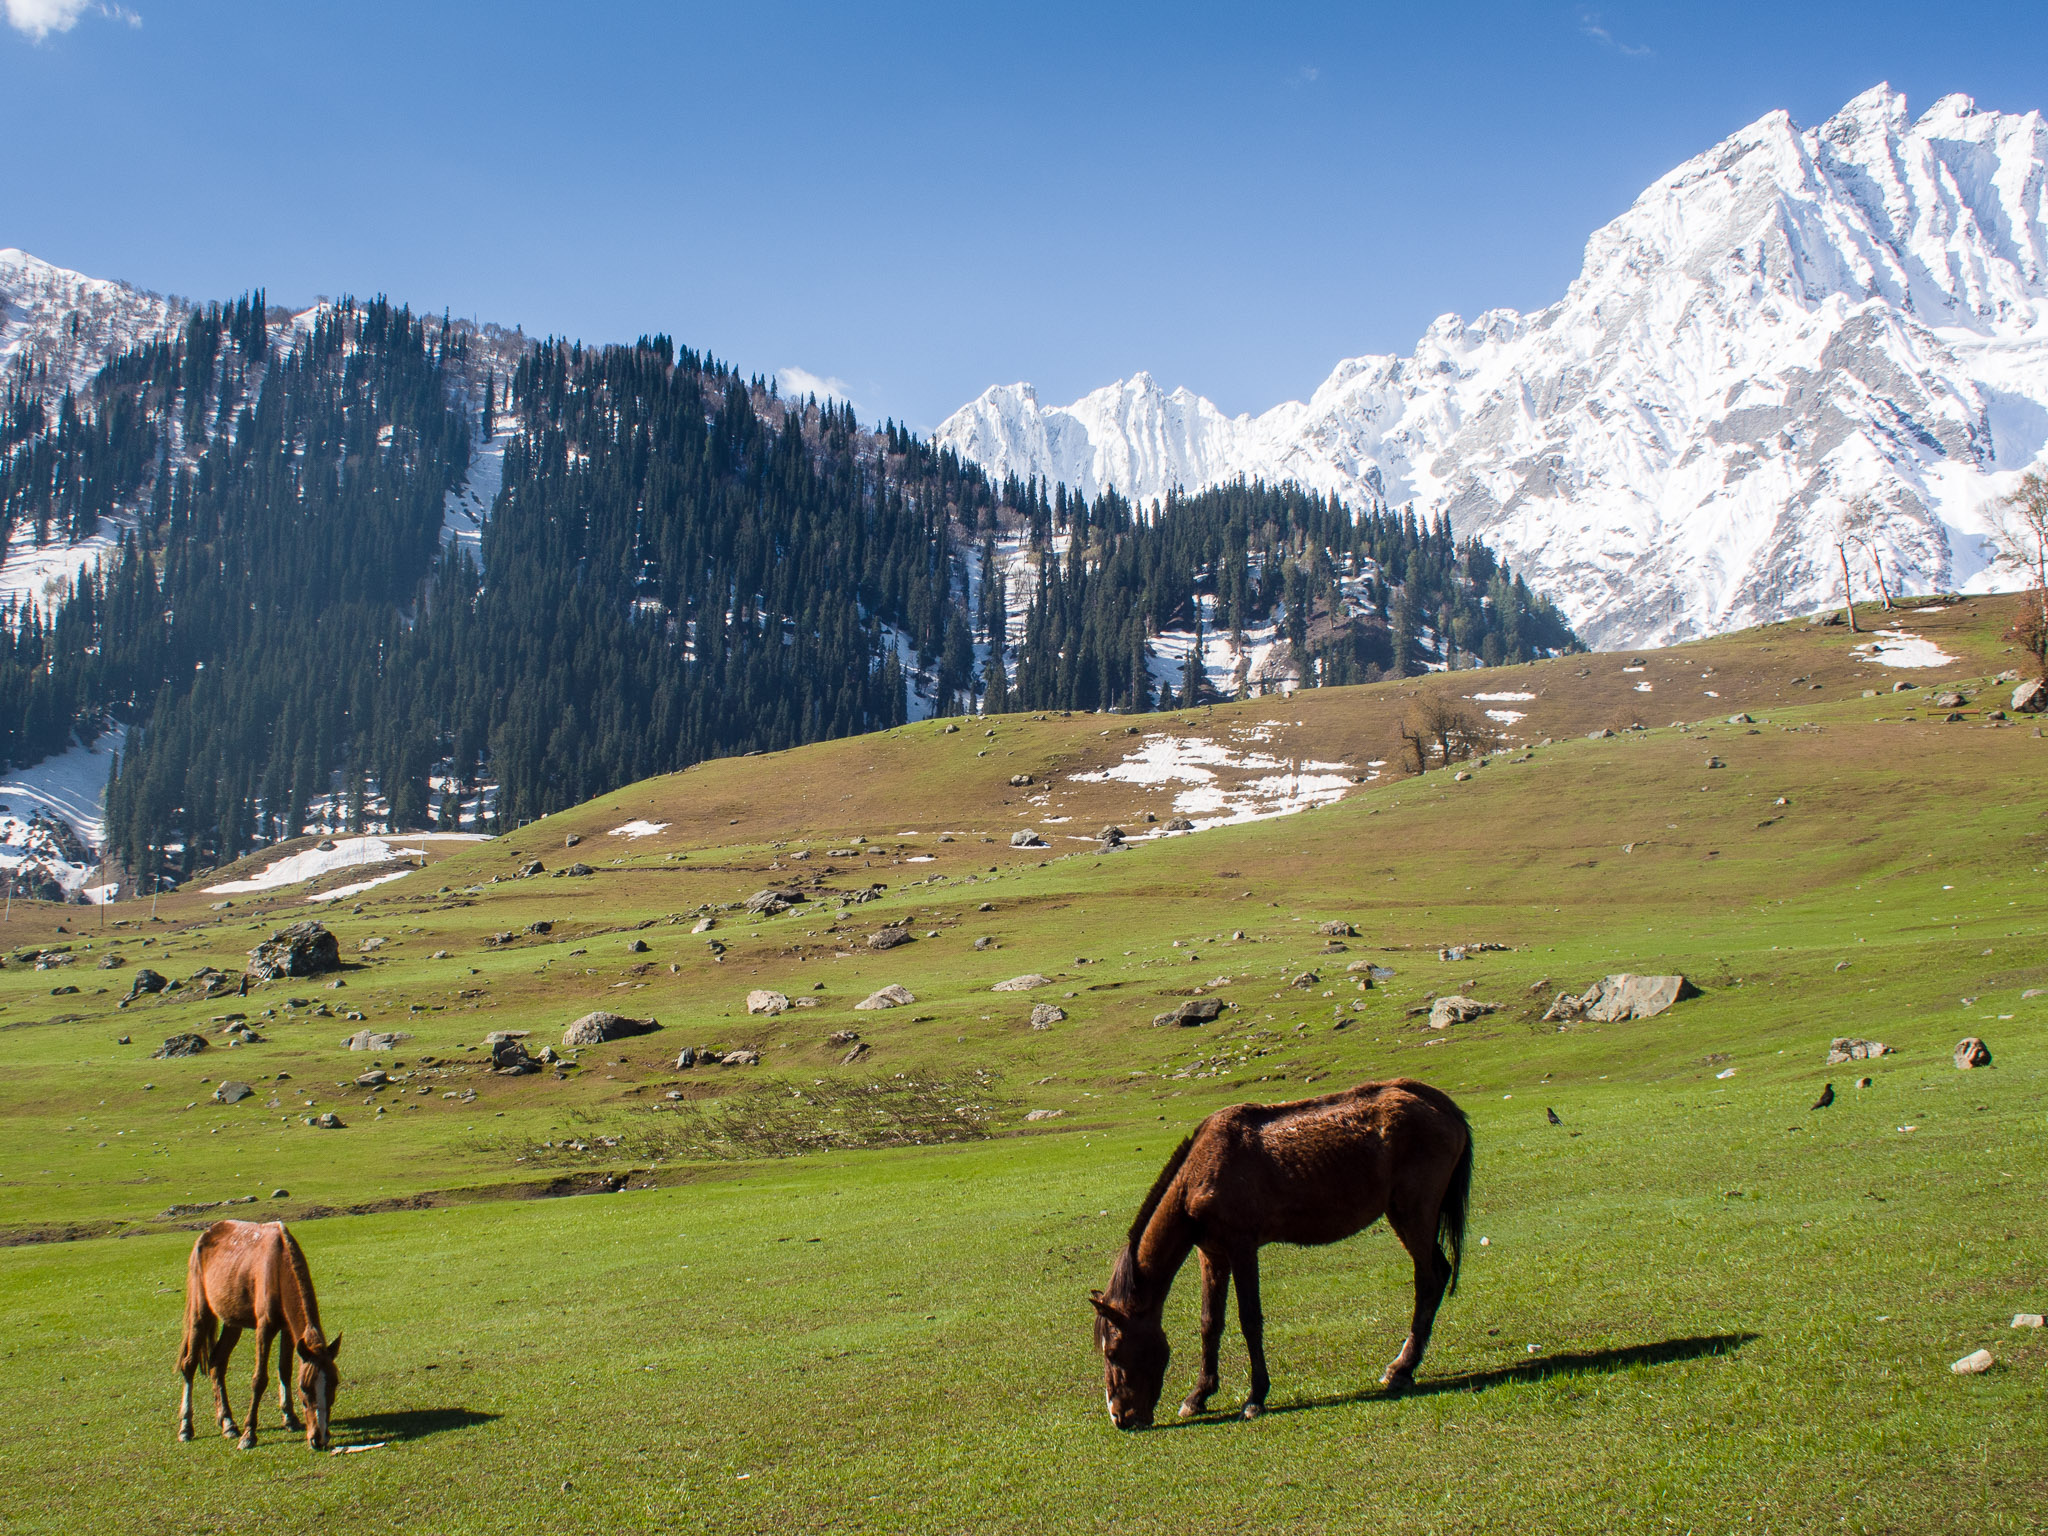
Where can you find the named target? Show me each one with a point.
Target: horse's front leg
(1251, 1317)
(1432, 1274)
(1215, 1298)
(284, 1382)
(217, 1372)
(185, 1406)
(261, 1381)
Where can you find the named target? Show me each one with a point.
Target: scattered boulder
(1614, 999)
(2030, 698)
(1045, 1015)
(1022, 983)
(761, 1000)
(1948, 699)
(597, 1027)
(686, 1058)
(1842, 1048)
(574, 871)
(839, 1039)
(1446, 1011)
(1043, 1114)
(231, 1092)
(891, 996)
(328, 1121)
(1180, 824)
(1306, 980)
(304, 949)
(1111, 837)
(1026, 838)
(888, 938)
(744, 1057)
(370, 945)
(1603, 734)
(774, 901)
(532, 868)
(180, 1045)
(858, 1053)
(1972, 1052)
(509, 1057)
(373, 1040)
(1019, 780)
(1974, 1364)
(1337, 928)
(1196, 1010)
(146, 980)
(572, 840)
(986, 941)
(544, 926)
(111, 962)
(637, 947)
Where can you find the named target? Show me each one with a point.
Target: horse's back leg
(1432, 1274)
(284, 1381)
(1251, 1317)
(195, 1352)
(256, 1386)
(1215, 1299)
(217, 1371)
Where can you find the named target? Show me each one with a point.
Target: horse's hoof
(1397, 1382)
(246, 1443)
(1253, 1410)
(1189, 1410)
(184, 1431)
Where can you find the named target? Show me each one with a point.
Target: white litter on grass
(1730, 1072)
(1645, 687)
(640, 829)
(347, 853)
(1974, 1364)
(1902, 648)
(1502, 698)
(343, 891)
(920, 858)
(351, 1450)
(1209, 800)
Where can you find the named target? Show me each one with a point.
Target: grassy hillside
(853, 1295)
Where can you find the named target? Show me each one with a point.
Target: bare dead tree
(1840, 535)
(1436, 732)
(1862, 528)
(2019, 536)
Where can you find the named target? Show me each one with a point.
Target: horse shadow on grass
(1591, 1362)
(410, 1423)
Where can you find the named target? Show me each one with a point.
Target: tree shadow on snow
(1589, 1362)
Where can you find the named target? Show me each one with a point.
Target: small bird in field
(1827, 1097)
(1553, 1117)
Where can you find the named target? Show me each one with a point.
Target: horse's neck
(295, 1290)
(1161, 1249)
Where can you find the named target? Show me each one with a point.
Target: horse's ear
(334, 1348)
(1105, 1307)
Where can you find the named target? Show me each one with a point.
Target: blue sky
(920, 201)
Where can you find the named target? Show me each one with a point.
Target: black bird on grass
(1827, 1097)
(1553, 1117)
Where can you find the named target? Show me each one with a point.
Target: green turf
(853, 1297)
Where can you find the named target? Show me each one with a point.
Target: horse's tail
(1450, 1221)
(196, 1346)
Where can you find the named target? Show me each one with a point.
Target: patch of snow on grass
(639, 829)
(359, 887)
(1505, 716)
(1503, 698)
(293, 868)
(41, 572)
(1902, 648)
(1209, 801)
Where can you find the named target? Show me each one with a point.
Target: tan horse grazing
(1311, 1172)
(249, 1274)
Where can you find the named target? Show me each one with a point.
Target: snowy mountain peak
(1792, 320)
(68, 323)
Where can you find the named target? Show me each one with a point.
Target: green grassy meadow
(853, 1296)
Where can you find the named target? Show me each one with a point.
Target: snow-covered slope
(70, 323)
(1793, 321)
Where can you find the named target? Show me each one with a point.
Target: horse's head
(1134, 1353)
(318, 1382)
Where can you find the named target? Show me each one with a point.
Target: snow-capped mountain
(1796, 320)
(71, 324)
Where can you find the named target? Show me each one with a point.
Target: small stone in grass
(1974, 1364)
(2028, 1320)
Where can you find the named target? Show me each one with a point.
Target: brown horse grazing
(1311, 1172)
(249, 1274)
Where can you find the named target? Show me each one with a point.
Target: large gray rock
(1446, 1011)
(2030, 698)
(180, 1045)
(1972, 1052)
(1026, 838)
(774, 900)
(1045, 1015)
(761, 1000)
(888, 938)
(600, 1026)
(1843, 1049)
(1021, 983)
(1196, 1010)
(891, 996)
(304, 949)
(1613, 999)
(230, 1092)
(146, 980)
(373, 1040)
